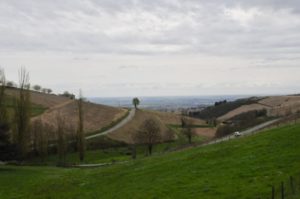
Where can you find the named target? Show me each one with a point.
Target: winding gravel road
(116, 127)
(250, 131)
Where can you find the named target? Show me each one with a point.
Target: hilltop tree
(49, 91)
(149, 133)
(187, 130)
(80, 131)
(37, 87)
(22, 114)
(10, 84)
(69, 95)
(44, 90)
(135, 102)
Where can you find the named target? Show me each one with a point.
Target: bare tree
(72, 137)
(49, 91)
(135, 102)
(40, 138)
(22, 114)
(149, 133)
(80, 131)
(187, 128)
(3, 109)
(61, 140)
(7, 150)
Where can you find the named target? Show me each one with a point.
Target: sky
(153, 48)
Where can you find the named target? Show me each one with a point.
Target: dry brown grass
(242, 109)
(275, 106)
(172, 118)
(95, 116)
(45, 100)
(280, 100)
(205, 132)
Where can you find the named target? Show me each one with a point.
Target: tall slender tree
(3, 110)
(40, 136)
(22, 114)
(80, 131)
(187, 130)
(61, 140)
(135, 102)
(7, 150)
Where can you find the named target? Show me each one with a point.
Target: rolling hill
(126, 133)
(275, 106)
(96, 116)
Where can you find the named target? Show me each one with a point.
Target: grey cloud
(149, 27)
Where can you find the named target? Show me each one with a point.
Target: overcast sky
(153, 48)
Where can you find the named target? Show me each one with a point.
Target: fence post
(273, 192)
(292, 185)
(282, 190)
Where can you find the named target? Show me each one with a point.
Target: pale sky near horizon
(153, 48)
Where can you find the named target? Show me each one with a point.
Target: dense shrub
(7, 150)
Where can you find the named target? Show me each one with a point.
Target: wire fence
(287, 189)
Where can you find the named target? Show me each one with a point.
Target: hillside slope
(126, 133)
(241, 168)
(275, 106)
(96, 116)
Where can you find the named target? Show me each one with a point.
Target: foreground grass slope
(241, 168)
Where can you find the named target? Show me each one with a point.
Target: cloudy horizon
(153, 48)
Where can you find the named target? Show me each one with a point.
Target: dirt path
(116, 127)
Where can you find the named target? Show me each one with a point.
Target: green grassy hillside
(241, 168)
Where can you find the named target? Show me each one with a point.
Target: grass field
(241, 168)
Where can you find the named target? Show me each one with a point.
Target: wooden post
(292, 184)
(273, 192)
(282, 190)
(133, 151)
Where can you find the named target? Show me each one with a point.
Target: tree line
(20, 138)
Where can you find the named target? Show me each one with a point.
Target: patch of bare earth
(205, 132)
